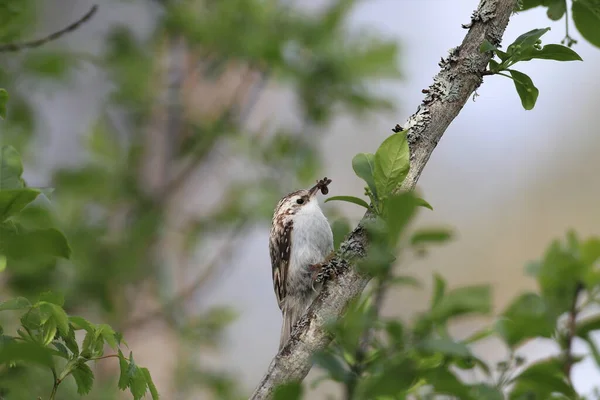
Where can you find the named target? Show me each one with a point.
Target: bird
(300, 241)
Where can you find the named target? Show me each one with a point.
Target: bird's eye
(300, 201)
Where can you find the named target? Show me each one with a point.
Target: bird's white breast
(312, 239)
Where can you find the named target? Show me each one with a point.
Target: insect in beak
(321, 185)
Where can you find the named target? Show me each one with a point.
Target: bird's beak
(314, 190)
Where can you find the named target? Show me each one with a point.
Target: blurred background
(170, 129)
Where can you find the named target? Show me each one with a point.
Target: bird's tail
(290, 317)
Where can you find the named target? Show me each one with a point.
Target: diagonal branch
(460, 75)
(10, 47)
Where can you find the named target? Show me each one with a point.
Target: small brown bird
(300, 240)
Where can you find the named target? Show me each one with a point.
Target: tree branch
(461, 73)
(10, 47)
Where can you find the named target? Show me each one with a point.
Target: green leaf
(88, 345)
(288, 391)
(71, 342)
(439, 290)
(399, 209)
(445, 382)
(349, 199)
(593, 349)
(84, 378)
(124, 368)
(49, 331)
(18, 303)
(482, 391)
(61, 349)
(586, 15)
(587, 326)
(59, 315)
(108, 334)
(150, 383)
(137, 384)
(3, 101)
(479, 335)
(501, 55)
(52, 297)
(47, 64)
(422, 203)
(525, 318)
(11, 169)
(332, 365)
(363, 165)
(445, 346)
(525, 88)
(486, 46)
(556, 9)
(81, 323)
(46, 242)
(551, 52)
(405, 280)
(425, 236)
(526, 40)
(463, 301)
(541, 379)
(27, 352)
(3, 262)
(559, 275)
(396, 376)
(14, 200)
(392, 162)
(590, 251)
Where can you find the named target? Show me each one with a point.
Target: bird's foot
(323, 271)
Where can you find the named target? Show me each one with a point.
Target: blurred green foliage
(110, 218)
(99, 235)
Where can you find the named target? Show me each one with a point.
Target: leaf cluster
(526, 47)
(585, 14)
(47, 337)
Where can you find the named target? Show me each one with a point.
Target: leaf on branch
(84, 378)
(525, 88)
(14, 200)
(525, 318)
(550, 52)
(541, 380)
(288, 391)
(425, 236)
(150, 383)
(392, 162)
(52, 297)
(11, 169)
(49, 242)
(586, 15)
(334, 367)
(27, 352)
(349, 199)
(18, 303)
(463, 301)
(422, 203)
(363, 165)
(526, 40)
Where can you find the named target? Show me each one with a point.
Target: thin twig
(10, 47)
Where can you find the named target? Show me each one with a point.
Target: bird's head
(301, 201)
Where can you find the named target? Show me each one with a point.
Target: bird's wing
(280, 245)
